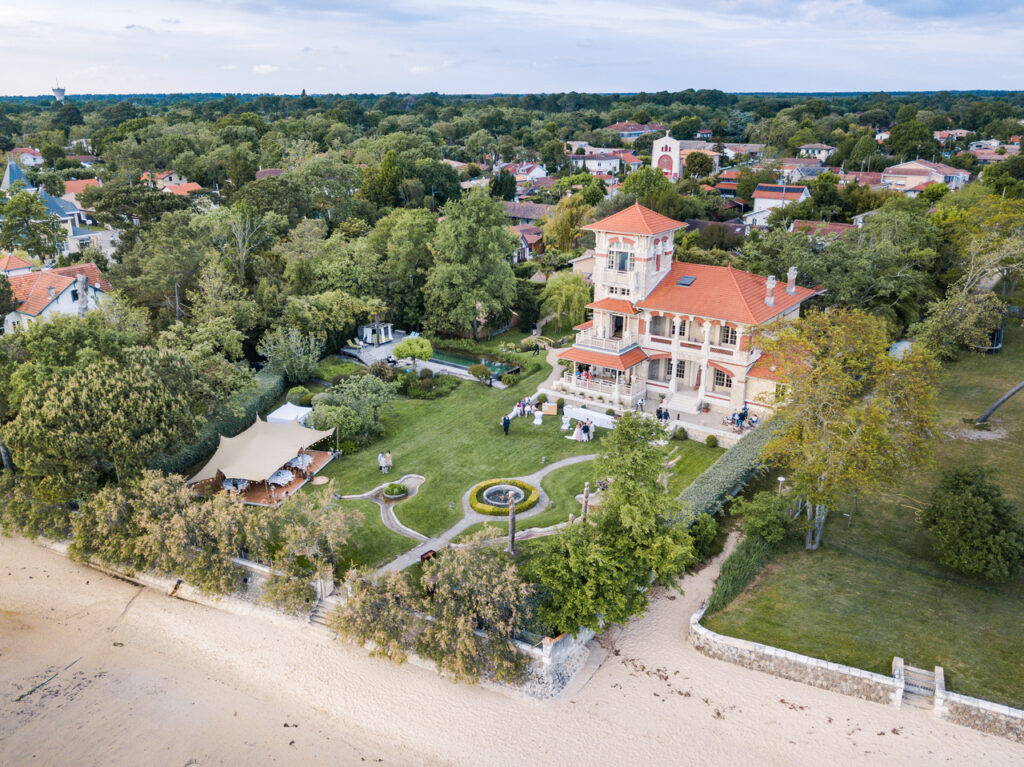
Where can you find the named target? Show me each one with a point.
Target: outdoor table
(301, 462)
(235, 485)
(280, 477)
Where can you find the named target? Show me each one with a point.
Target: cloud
(171, 21)
(417, 69)
(137, 27)
(228, 67)
(264, 69)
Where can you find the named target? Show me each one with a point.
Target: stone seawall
(799, 668)
(978, 714)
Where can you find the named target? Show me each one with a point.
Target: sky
(509, 46)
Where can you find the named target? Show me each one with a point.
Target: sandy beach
(129, 676)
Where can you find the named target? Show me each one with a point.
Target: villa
(669, 331)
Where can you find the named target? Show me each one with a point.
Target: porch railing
(589, 339)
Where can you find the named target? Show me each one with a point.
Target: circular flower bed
(395, 490)
(481, 506)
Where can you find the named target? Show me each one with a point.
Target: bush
(383, 371)
(510, 379)
(228, 422)
(395, 489)
(307, 399)
(726, 476)
(481, 506)
(334, 369)
(711, 440)
(704, 531)
(426, 373)
(348, 446)
(439, 386)
(291, 595)
(680, 434)
(765, 516)
(480, 372)
(976, 529)
(296, 393)
(542, 398)
(561, 404)
(426, 384)
(738, 571)
(610, 411)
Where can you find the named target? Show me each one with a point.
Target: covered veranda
(265, 464)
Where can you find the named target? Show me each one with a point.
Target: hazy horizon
(471, 47)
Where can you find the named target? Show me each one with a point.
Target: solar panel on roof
(686, 281)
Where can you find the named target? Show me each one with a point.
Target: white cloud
(229, 67)
(417, 69)
(264, 69)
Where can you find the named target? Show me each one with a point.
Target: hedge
(527, 363)
(726, 476)
(738, 571)
(269, 387)
(482, 507)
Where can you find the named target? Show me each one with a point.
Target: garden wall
(799, 668)
(993, 718)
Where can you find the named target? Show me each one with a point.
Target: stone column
(673, 386)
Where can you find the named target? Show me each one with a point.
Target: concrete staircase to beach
(320, 615)
(918, 688)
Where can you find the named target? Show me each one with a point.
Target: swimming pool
(464, 361)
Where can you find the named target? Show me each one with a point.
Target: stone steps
(918, 687)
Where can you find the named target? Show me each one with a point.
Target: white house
(27, 156)
(597, 162)
(767, 197)
(630, 131)
(46, 293)
(817, 151)
(919, 173)
(13, 265)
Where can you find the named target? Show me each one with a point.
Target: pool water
(464, 361)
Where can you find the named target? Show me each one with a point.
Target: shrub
(481, 506)
(726, 476)
(426, 373)
(229, 421)
(348, 446)
(704, 531)
(542, 398)
(738, 571)
(307, 399)
(334, 369)
(610, 411)
(765, 516)
(296, 393)
(510, 379)
(426, 384)
(439, 386)
(680, 434)
(396, 488)
(291, 595)
(711, 440)
(561, 403)
(383, 371)
(480, 372)
(976, 529)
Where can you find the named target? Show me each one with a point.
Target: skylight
(686, 281)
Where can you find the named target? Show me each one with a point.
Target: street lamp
(781, 480)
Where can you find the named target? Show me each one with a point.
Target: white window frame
(722, 379)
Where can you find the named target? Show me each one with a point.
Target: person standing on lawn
(505, 421)
(380, 462)
(536, 348)
(387, 462)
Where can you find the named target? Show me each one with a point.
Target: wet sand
(130, 676)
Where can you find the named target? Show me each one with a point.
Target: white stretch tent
(259, 451)
(288, 413)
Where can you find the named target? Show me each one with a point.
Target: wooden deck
(257, 493)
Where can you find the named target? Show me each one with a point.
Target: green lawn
(694, 457)
(455, 442)
(372, 543)
(875, 589)
(554, 329)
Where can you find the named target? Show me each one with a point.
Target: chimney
(769, 295)
(83, 293)
(49, 292)
(791, 281)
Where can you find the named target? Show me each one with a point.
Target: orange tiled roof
(10, 262)
(91, 272)
(77, 185)
(614, 361)
(183, 189)
(635, 219)
(618, 305)
(32, 290)
(778, 192)
(584, 325)
(721, 292)
(764, 368)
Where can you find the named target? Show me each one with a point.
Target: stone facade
(799, 668)
(993, 718)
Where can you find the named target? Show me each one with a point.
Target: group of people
(384, 461)
(661, 414)
(742, 418)
(584, 431)
(524, 407)
(584, 374)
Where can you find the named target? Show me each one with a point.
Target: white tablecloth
(301, 461)
(235, 485)
(280, 477)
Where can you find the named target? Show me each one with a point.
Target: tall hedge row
(229, 422)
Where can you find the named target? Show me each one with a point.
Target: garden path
(471, 517)
(387, 508)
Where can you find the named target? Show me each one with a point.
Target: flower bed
(395, 490)
(476, 497)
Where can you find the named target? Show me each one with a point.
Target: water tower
(58, 92)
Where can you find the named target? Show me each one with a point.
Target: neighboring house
(715, 157)
(458, 166)
(668, 154)
(629, 160)
(183, 189)
(820, 152)
(734, 228)
(630, 131)
(530, 244)
(881, 136)
(14, 175)
(989, 143)
(768, 197)
(86, 160)
(74, 187)
(945, 136)
(912, 174)
(526, 212)
(47, 293)
(667, 331)
(596, 163)
(269, 172)
(71, 217)
(526, 171)
(727, 188)
(13, 265)
(583, 264)
(871, 179)
(27, 156)
(704, 134)
(160, 180)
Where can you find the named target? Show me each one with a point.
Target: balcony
(600, 387)
(589, 339)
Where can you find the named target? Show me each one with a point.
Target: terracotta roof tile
(91, 272)
(635, 219)
(614, 361)
(10, 262)
(74, 186)
(721, 292)
(619, 305)
(32, 291)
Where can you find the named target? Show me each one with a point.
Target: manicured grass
(372, 543)
(876, 590)
(455, 442)
(554, 329)
(694, 457)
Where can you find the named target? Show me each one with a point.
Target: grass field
(875, 589)
(372, 543)
(455, 442)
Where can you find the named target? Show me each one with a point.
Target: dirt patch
(977, 435)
